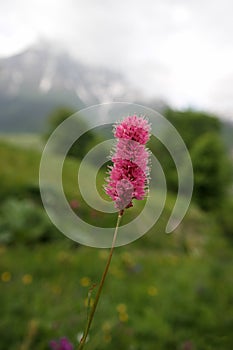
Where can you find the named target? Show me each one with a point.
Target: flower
(133, 128)
(6, 276)
(74, 204)
(27, 279)
(129, 175)
(85, 281)
(122, 312)
(152, 291)
(62, 344)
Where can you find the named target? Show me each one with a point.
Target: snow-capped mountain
(37, 80)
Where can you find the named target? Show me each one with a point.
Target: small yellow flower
(121, 308)
(107, 338)
(106, 327)
(123, 317)
(91, 302)
(115, 271)
(152, 291)
(85, 281)
(27, 279)
(103, 254)
(6, 276)
(122, 311)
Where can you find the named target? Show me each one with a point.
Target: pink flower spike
(124, 190)
(133, 128)
(129, 175)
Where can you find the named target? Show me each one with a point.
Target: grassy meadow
(164, 291)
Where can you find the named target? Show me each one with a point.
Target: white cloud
(176, 49)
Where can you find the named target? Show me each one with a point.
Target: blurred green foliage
(211, 170)
(202, 134)
(23, 221)
(87, 139)
(192, 124)
(18, 170)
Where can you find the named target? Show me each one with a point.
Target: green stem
(90, 318)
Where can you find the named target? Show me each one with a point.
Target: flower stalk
(98, 293)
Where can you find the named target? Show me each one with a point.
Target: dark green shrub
(22, 221)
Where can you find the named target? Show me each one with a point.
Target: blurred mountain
(34, 82)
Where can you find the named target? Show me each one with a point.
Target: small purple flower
(62, 344)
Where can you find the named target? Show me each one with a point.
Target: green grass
(34, 141)
(170, 297)
(18, 169)
(163, 291)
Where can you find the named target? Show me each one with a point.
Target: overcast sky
(179, 50)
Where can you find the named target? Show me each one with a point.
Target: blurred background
(163, 291)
